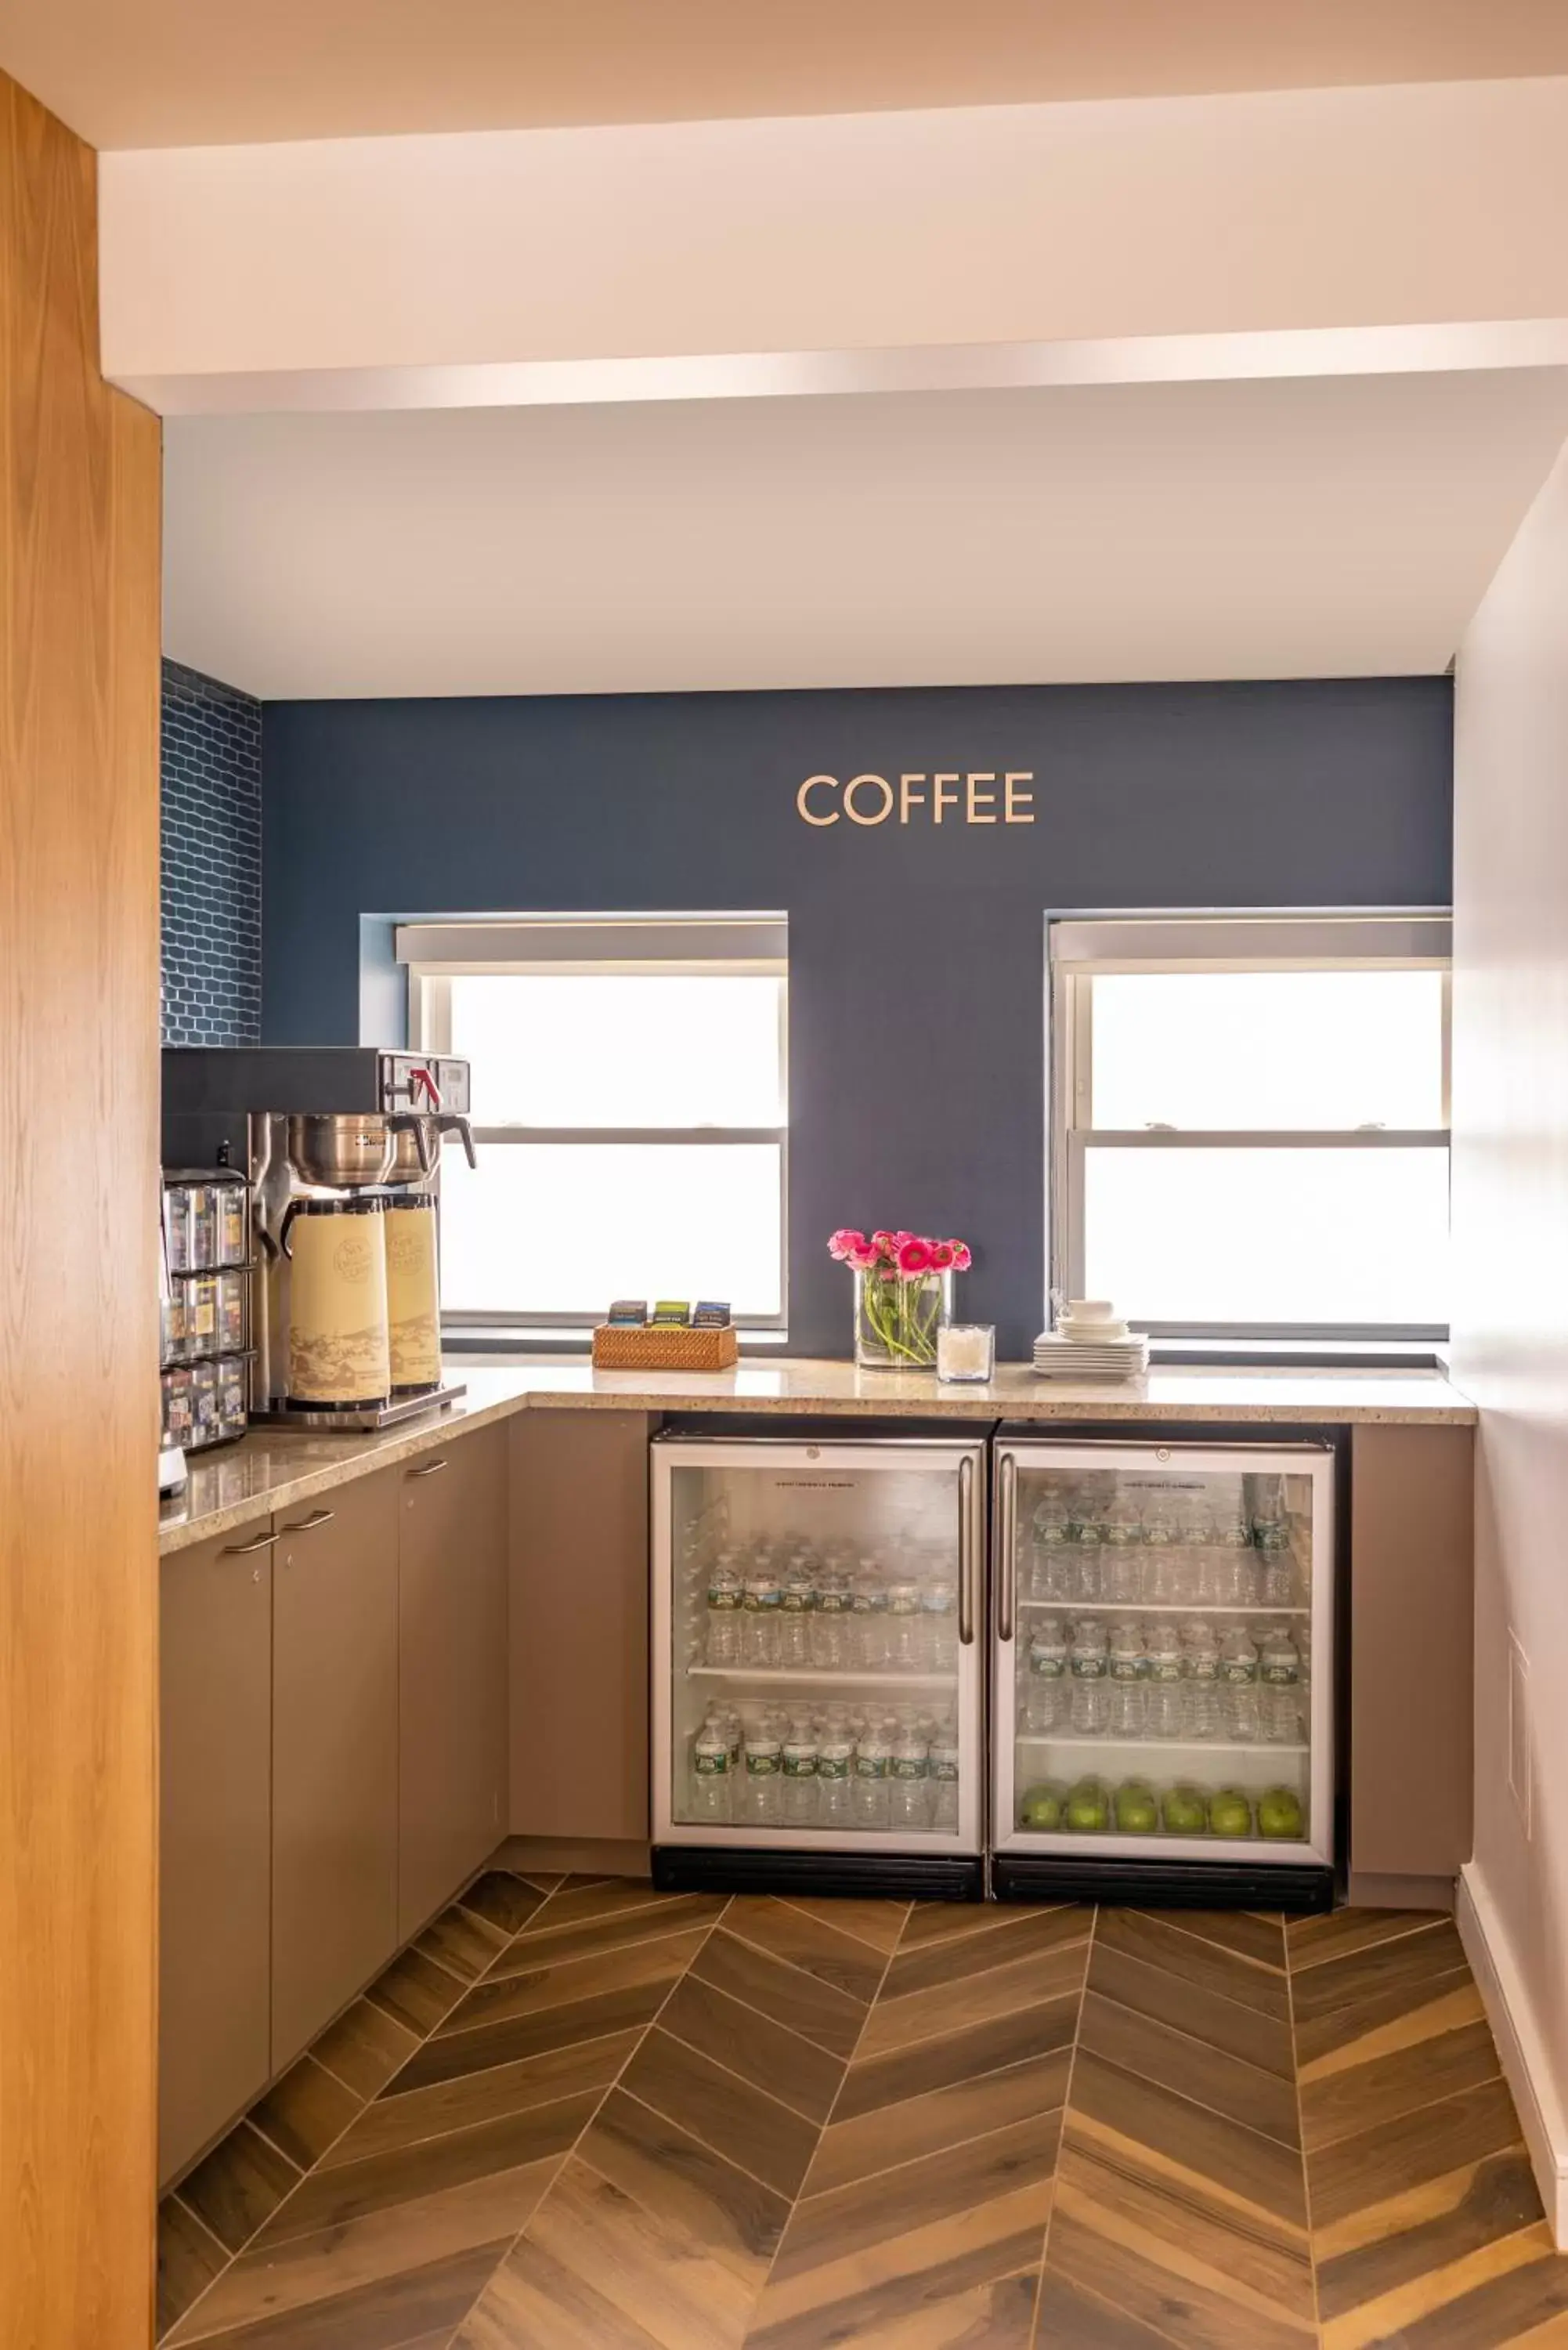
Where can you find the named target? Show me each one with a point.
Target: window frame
(1080, 947)
(561, 946)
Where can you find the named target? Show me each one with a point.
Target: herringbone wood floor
(582, 2115)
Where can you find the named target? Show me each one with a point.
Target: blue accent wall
(917, 1018)
(211, 880)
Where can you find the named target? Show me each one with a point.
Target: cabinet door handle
(1007, 1547)
(244, 1550)
(309, 1526)
(966, 1554)
(431, 1469)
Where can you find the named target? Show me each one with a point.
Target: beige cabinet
(579, 1626)
(1412, 1643)
(335, 1754)
(215, 1837)
(451, 1668)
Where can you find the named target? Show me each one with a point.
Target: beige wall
(1510, 1220)
(1295, 209)
(362, 69)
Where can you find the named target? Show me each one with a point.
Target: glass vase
(897, 1319)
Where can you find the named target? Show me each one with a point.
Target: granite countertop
(275, 1468)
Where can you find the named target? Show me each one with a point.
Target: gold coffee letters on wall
(982, 797)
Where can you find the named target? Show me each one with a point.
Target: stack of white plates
(1098, 1350)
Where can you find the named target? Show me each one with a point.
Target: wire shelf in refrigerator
(809, 1677)
(1105, 1744)
(1201, 1608)
(1268, 1852)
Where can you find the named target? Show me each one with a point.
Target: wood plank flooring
(577, 2115)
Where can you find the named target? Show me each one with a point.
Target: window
(1250, 1123)
(630, 1091)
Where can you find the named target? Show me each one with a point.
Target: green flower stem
(902, 1315)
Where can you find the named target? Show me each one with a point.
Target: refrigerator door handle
(1006, 1545)
(967, 1549)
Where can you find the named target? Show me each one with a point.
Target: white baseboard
(1519, 2044)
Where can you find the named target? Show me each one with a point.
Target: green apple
(1041, 1809)
(1137, 1811)
(1088, 1809)
(1229, 1812)
(1280, 1814)
(1186, 1812)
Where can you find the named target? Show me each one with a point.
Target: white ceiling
(165, 73)
(1337, 527)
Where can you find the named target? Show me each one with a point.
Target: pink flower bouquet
(903, 1294)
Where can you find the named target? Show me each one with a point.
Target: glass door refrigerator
(818, 1664)
(1163, 1672)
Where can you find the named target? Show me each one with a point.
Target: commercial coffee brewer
(345, 1303)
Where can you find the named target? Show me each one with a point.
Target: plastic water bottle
(835, 1773)
(1121, 1552)
(1088, 1660)
(1239, 1689)
(858, 1642)
(939, 1615)
(1271, 1533)
(1125, 1706)
(831, 1622)
(725, 1593)
(1089, 1540)
(1232, 1560)
(1053, 1569)
(800, 1764)
(873, 1768)
(1278, 1673)
(904, 1646)
(760, 1618)
(1165, 1702)
(709, 1803)
(1201, 1661)
(908, 1781)
(871, 1609)
(944, 1780)
(1046, 1693)
(1161, 1525)
(797, 1605)
(762, 1782)
(1175, 1577)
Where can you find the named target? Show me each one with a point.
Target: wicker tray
(668, 1349)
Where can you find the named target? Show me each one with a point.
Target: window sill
(475, 1338)
(1305, 1354)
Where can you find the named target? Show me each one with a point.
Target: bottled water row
(839, 1769)
(772, 1611)
(1098, 1543)
(1247, 1684)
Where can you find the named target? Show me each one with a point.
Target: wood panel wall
(79, 492)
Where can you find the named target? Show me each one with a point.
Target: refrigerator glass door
(818, 1645)
(1164, 1672)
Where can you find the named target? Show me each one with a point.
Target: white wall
(1312, 529)
(1510, 1221)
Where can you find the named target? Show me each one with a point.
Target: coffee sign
(980, 798)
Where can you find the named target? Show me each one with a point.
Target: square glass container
(966, 1353)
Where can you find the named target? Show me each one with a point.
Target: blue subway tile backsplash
(211, 877)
